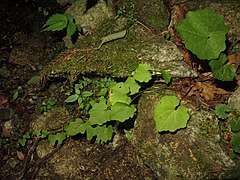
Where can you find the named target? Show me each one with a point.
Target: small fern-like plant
(59, 22)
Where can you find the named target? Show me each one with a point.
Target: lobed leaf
(204, 33)
(222, 111)
(169, 116)
(142, 73)
(222, 71)
(122, 112)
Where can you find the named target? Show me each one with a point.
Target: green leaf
(56, 22)
(112, 37)
(119, 94)
(169, 116)
(222, 71)
(104, 133)
(166, 76)
(26, 135)
(61, 137)
(99, 113)
(15, 95)
(52, 139)
(142, 73)
(122, 112)
(204, 33)
(71, 28)
(133, 85)
(222, 111)
(86, 93)
(22, 141)
(33, 80)
(235, 125)
(235, 142)
(75, 127)
(72, 98)
(45, 133)
(37, 132)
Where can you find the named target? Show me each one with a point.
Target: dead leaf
(206, 90)
(234, 60)
(6, 132)
(20, 155)
(4, 101)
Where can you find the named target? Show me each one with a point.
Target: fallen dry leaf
(20, 155)
(206, 90)
(6, 132)
(4, 101)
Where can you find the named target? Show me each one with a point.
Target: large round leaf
(204, 33)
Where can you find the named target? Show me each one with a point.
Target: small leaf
(235, 125)
(133, 85)
(166, 76)
(22, 141)
(142, 73)
(72, 98)
(71, 28)
(235, 142)
(15, 95)
(222, 71)
(61, 137)
(122, 112)
(169, 116)
(33, 80)
(222, 111)
(52, 139)
(20, 155)
(45, 133)
(112, 37)
(37, 132)
(86, 93)
(119, 94)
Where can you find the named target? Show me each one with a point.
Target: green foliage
(204, 33)
(128, 11)
(235, 142)
(16, 93)
(108, 103)
(221, 70)
(166, 76)
(24, 139)
(169, 116)
(235, 125)
(222, 110)
(59, 22)
(49, 105)
(142, 73)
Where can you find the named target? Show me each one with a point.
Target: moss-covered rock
(189, 153)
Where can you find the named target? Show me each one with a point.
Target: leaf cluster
(204, 34)
(59, 22)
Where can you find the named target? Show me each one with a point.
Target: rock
(234, 101)
(51, 120)
(4, 72)
(29, 52)
(189, 153)
(6, 114)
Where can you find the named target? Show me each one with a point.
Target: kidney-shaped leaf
(204, 33)
(169, 116)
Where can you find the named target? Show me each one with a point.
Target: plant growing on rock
(204, 34)
(59, 22)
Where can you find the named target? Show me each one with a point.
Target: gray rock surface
(190, 153)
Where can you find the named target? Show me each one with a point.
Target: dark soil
(24, 52)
